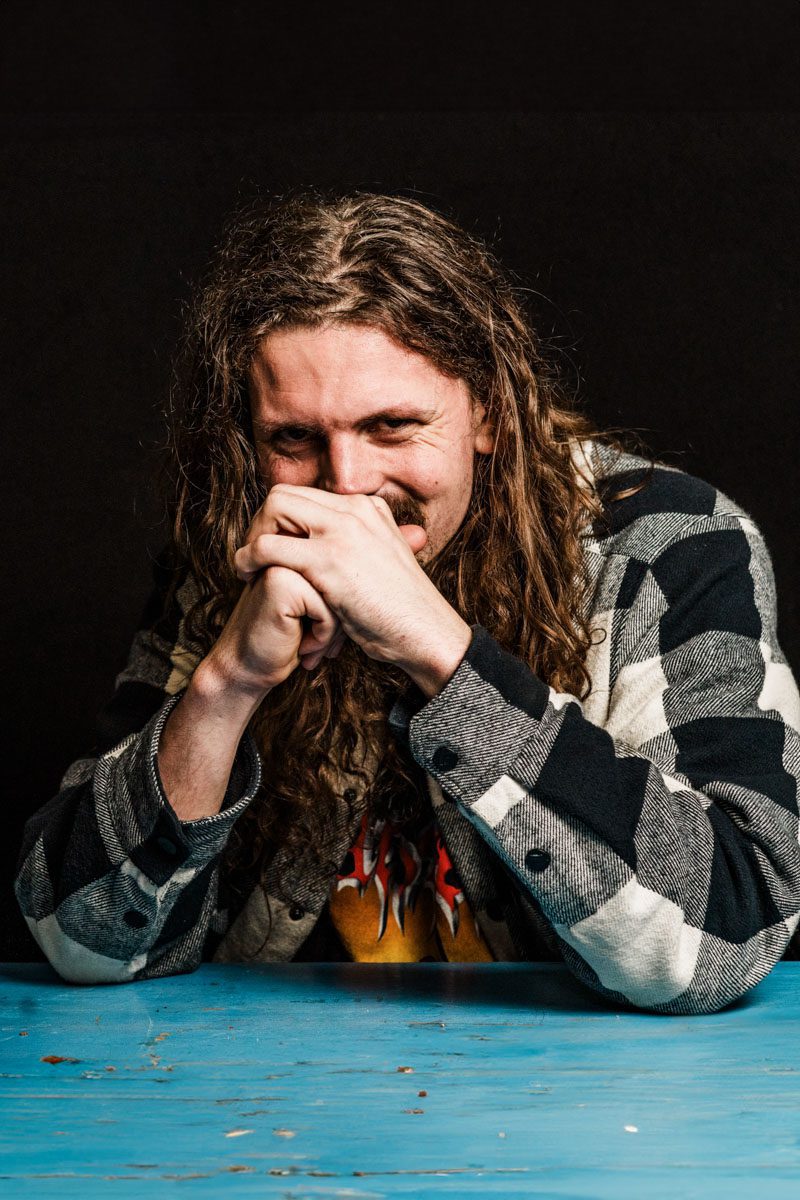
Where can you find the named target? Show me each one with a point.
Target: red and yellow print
(398, 898)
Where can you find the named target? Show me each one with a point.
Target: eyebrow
(267, 428)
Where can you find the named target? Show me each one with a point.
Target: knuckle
(280, 576)
(351, 521)
(274, 577)
(368, 507)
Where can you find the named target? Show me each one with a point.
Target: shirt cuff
(157, 842)
(470, 733)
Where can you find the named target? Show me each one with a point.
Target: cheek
(434, 476)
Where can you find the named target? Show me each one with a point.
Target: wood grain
(353, 1080)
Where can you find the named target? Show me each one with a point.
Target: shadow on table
(41, 974)
(535, 987)
(521, 985)
(532, 986)
(524, 985)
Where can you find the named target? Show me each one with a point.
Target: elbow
(76, 963)
(683, 972)
(722, 974)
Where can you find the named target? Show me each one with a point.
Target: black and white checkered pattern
(649, 834)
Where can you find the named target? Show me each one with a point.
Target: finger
(319, 638)
(324, 624)
(311, 652)
(335, 501)
(415, 536)
(311, 660)
(296, 599)
(308, 512)
(336, 645)
(274, 550)
(288, 513)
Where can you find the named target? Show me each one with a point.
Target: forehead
(339, 373)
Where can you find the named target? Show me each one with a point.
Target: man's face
(347, 409)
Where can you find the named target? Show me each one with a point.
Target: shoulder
(649, 507)
(670, 541)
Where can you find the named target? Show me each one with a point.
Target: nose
(349, 467)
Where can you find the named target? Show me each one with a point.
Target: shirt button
(444, 759)
(537, 860)
(167, 846)
(135, 919)
(296, 912)
(350, 795)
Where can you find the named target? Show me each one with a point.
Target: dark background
(660, 247)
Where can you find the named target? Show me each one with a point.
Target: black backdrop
(661, 253)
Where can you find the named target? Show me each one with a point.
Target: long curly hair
(516, 564)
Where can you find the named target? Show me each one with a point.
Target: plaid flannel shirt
(648, 836)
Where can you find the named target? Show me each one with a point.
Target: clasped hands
(343, 563)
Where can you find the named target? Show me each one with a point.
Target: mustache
(405, 510)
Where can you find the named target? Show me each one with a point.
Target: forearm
(199, 742)
(112, 884)
(670, 896)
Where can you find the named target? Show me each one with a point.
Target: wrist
(199, 742)
(216, 688)
(433, 670)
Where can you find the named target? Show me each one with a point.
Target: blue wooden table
(419, 1080)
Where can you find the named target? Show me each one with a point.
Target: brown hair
(516, 564)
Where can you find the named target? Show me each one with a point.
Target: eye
(395, 422)
(292, 435)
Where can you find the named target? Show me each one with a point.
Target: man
(432, 672)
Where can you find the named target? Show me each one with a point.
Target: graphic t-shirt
(398, 898)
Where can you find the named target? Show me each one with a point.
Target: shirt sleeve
(113, 886)
(661, 845)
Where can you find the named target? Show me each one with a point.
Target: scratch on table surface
(193, 1175)
(285, 1172)
(446, 1171)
